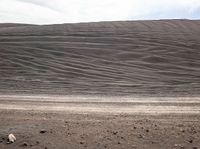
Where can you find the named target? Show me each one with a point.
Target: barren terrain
(152, 58)
(126, 84)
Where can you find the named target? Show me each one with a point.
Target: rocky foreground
(57, 122)
(46, 130)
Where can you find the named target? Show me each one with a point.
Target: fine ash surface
(149, 58)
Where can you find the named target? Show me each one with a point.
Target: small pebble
(191, 141)
(178, 145)
(140, 136)
(43, 131)
(25, 144)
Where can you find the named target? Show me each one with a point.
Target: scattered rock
(182, 130)
(25, 144)
(134, 146)
(11, 138)
(2, 139)
(193, 130)
(81, 142)
(140, 136)
(190, 141)
(43, 131)
(147, 130)
(179, 145)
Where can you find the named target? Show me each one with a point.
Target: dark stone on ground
(43, 131)
(25, 144)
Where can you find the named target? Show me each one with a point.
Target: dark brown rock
(43, 131)
(25, 144)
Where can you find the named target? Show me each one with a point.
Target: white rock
(11, 138)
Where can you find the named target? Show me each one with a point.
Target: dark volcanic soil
(112, 58)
